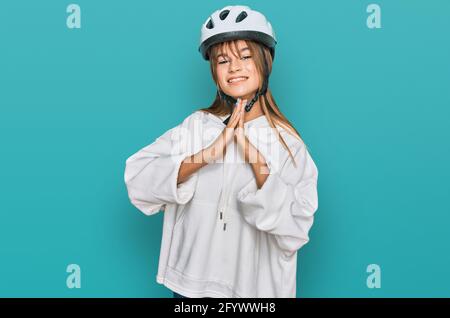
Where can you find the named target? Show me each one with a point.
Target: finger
(238, 103)
(241, 119)
(234, 120)
(236, 115)
(240, 129)
(243, 114)
(240, 108)
(237, 107)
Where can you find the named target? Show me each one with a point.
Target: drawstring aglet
(224, 226)
(221, 215)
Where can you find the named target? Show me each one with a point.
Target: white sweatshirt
(222, 236)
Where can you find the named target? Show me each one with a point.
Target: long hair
(268, 105)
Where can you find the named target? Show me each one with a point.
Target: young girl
(236, 182)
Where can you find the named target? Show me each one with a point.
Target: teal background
(372, 105)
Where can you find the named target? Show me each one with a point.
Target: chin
(236, 93)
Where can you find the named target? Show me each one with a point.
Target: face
(237, 76)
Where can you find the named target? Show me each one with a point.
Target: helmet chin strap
(231, 100)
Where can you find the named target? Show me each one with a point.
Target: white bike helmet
(243, 23)
(236, 22)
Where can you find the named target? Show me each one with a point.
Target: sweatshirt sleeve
(151, 173)
(285, 205)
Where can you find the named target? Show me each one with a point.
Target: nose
(235, 65)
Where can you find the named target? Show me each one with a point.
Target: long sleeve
(151, 173)
(285, 205)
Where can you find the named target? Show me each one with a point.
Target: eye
(223, 62)
(246, 57)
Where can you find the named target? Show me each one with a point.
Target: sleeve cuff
(250, 192)
(184, 191)
(259, 206)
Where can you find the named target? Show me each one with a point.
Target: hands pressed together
(235, 129)
(217, 150)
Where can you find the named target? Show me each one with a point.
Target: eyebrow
(223, 54)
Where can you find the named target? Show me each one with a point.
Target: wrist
(206, 155)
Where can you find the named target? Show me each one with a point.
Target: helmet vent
(223, 15)
(210, 24)
(241, 16)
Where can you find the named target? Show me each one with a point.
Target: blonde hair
(268, 105)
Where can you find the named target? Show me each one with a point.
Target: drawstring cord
(221, 206)
(225, 197)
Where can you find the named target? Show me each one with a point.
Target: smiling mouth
(237, 80)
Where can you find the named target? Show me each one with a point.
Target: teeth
(238, 79)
